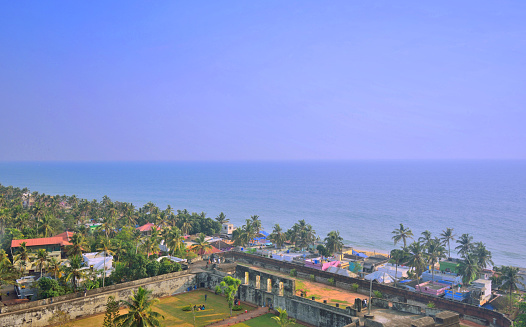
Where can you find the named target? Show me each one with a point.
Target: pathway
(242, 317)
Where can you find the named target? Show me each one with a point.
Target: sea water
(364, 200)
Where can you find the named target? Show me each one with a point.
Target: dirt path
(241, 318)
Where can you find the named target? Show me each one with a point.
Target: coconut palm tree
(46, 225)
(105, 247)
(186, 224)
(510, 280)
(54, 266)
(447, 236)
(42, 258)
(140, 311)
(402, 234)
(483, 255)
(78, 244)
(435, 252)
(75, 272)
(425, 238)
(334, 242)
(277, 236)
(283, 318)
(469, 268)
(173, 239)
(222, 219)
(201, 245)
(22, 257)
(256, 223)
(398, 256)
(8, 273)
(465, 245)
(417, 258)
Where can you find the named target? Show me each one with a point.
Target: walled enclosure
(466, 311)
(40, 312)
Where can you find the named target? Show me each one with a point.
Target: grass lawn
(171, 309)
(261, 321)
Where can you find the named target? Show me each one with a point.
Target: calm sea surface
(364, 200)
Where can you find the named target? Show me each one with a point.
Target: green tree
(278, 237)
(105, 247)
(140, 311)
(256, 224)
(465, 245)
(78, 245)
(48, 287)
(447, 236)
(201, 245)
(112, 313)
(74, 272)
(229, 287)
(8, 273)
(283, 318)
(435, 252)
(222, 219)
(334, 242)
(398, 256)
(469, 269)
(42, 258)
(483, 255)
(22, 257)
(510, 280)
(417, 258)
(402, 234)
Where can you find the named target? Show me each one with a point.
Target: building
(227, 229)
(97, 261)
(55, 246)
(451, 265)
(146, 229)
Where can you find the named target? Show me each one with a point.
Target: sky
(262, 80)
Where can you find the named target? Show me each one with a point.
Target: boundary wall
(466, 311)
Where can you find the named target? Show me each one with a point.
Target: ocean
(364, 200)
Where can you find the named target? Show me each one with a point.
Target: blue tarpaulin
(359, 254)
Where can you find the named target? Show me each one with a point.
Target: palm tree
(447, 236)
(256, 223)
(277, 236)
(417, 258)
(398, 256)
(140, 311)
(47, 225)
(53, 266)
(186, 224)
(222, 219)
(435, 252)
(469, 269)
(283, 318)
(8, 273)
(510, 280)
(465, 245)
(201, 245)
(75, 272)
(78, 244)
(425, 238)
(41, 258)
(334, 242)
(105, 247)
(173, 239)
(22, 256)
(402, 234)
(483, 255)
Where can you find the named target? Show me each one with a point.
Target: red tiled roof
(209, 251)
(145, 228)
(60, 239)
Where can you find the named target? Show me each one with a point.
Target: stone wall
(39, 313)
(482, 315)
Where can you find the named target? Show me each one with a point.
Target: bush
(293, 273)
(187, 308)
(355, 287)
(331, 281)
(48, 287)
(217, 290)
(377, 294)
(237, 308)
(431, 305)
(312, 278)
(152, 268)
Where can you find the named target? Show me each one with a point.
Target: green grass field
(261, 321)
(171, 309)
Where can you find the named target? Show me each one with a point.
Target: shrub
(331, 281)
(377, 294)
(430, 305)
(293, 273)
(217, 290)
(152, 268)
(312, 278)
(187, 308)
(355, 287)
(237, 308)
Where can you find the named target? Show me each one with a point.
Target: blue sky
(262, 80)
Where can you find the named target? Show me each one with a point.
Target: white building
(227, 229)
(97, 261)
(393, 271)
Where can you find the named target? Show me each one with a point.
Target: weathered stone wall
(75, 306)
(483, 315)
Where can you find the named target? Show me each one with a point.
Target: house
(53, 245)
(97, 261)
(227, 229)
(146, 229)
(451, 265)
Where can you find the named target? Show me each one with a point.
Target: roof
(146, 227)
(60, 239)
(209, 251)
